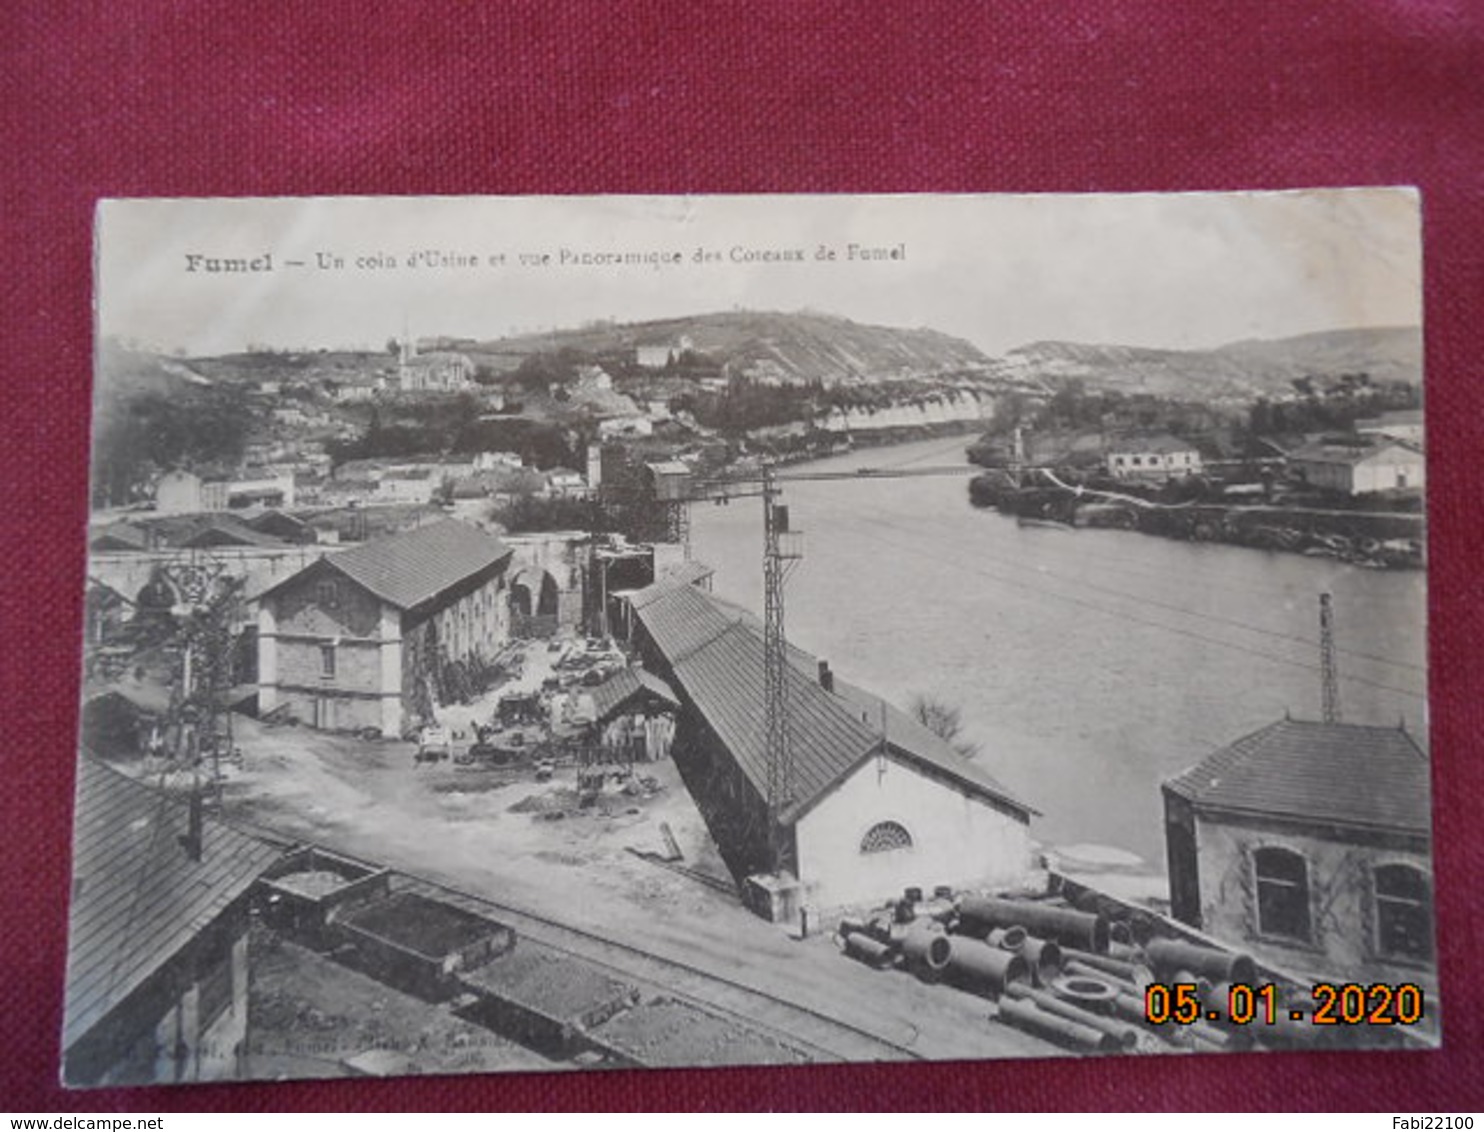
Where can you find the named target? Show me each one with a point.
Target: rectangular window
(215, 991)
(327, 593)
(1282, 894)
(327, 661)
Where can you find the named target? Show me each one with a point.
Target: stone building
(369, 638)
(1310, 844)
(1159, 458)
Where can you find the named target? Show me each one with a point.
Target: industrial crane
(783, 549)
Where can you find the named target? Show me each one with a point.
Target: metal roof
(715, 650)
(1331, 773)
(412, 567)
(137, 898)
(622, 686)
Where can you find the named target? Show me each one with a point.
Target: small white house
(1160, 457)
(1356, 466)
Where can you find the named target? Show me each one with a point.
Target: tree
(945, 721)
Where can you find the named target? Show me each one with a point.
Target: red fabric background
(221, 98)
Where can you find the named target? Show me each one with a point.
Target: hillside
(791, 348)
(1242, 370)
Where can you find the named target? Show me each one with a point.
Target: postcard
(534, 634)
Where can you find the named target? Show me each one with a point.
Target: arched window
(885, 836)
(1403, 912)
(1282, 893)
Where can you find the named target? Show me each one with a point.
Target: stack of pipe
(1126, 1035)
(926, 949)
(1027, 1016)
(978, 915)
(1169, 956)
(981, 969)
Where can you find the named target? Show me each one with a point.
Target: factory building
(366, 637)
(878, 802)
(1309, 844)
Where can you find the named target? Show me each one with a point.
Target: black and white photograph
(533, 634)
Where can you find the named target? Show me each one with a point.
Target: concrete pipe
(1090, 992)
(1127, 1035)
(981, 969)
(1132, 1008)
(1125, 952)
(926, 949)
(1063, 1031)
(1006, 939)
(871, 952)
(1203, 986)
(1118, 968)
(1043, 957)
(1077, 967)
(1068, 927)
(1169, 955)
(851, 925)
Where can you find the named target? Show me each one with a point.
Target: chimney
(191, 840)
(826, 677)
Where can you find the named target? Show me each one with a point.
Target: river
(1089, 665)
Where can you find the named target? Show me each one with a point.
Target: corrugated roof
(716, 652)
(137, 898)
(623, 685)
(414, 566)
(1338, 773)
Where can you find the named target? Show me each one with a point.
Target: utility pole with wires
(782, 550)
(1328, 669)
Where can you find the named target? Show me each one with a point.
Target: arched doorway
(535, 601)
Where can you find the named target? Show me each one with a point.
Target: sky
(1190, 270)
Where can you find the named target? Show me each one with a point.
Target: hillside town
(418, 736)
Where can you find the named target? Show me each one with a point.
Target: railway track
(815, 1034)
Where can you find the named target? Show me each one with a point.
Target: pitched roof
(623, 686)
(1327, 451)
(137, 898)
(689, 571)
(414, 566)
(1161, 443)
(1336, 773)
(119, 536)
(715, 650)
(226, 530)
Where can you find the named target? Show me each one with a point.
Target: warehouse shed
(879, 802)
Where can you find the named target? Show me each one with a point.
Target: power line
(1212, 617)
(1083, 603)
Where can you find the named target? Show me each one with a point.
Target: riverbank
(1090, 664)
(1373, 539)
